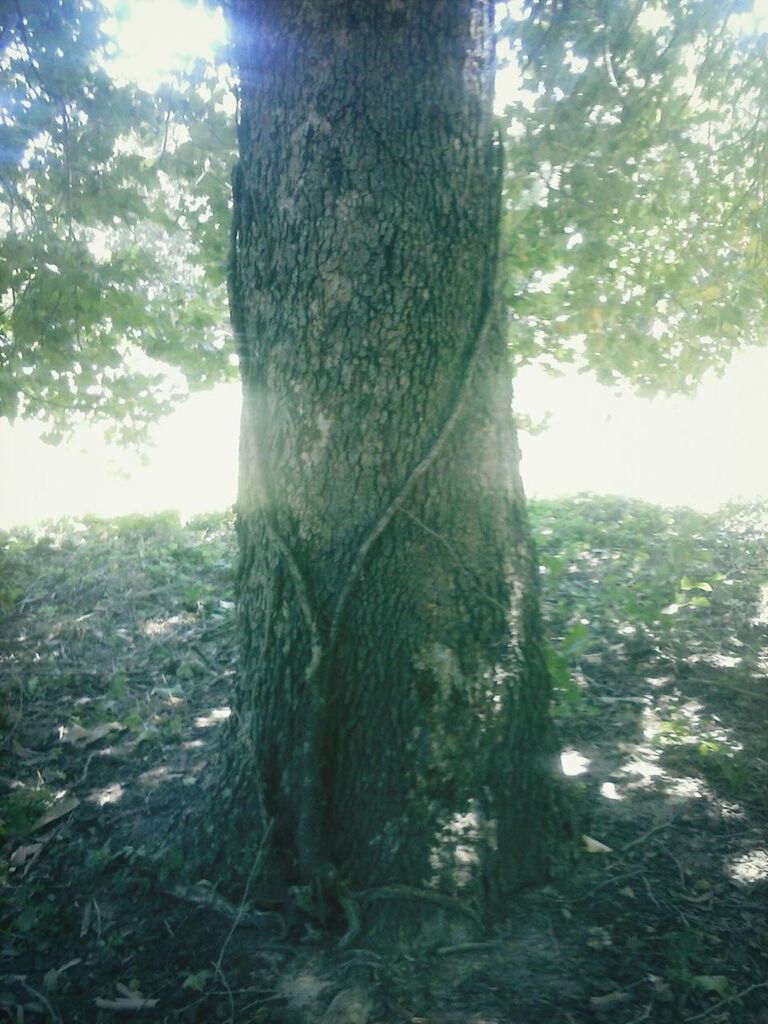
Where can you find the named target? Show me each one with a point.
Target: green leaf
(197, 982)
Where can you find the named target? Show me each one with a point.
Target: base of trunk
(475, 873)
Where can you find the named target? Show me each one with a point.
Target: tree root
(202, 895)
(351, 910)
(350, 905)
(408, 892)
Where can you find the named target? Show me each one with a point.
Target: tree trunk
(389, 739)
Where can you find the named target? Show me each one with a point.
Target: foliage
(635, 228)
(113, 215)
(635, 189)
(645, 578)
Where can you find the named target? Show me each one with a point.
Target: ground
(117, 654)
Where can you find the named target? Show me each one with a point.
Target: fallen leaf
(594, 845)
(91, 919)
(602, 1003)
(79, 734)
(58, 810)
(125, 1004)
(86, 922)
(197, 982)
(20, 856)
(51, 978)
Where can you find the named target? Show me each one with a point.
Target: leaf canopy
(635, 192)
(635, 224)
(113, 225)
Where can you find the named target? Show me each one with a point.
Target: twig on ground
(240, 915)
(241, 909)
(204, 657)
(125, 1004)
(607, 882)
(82, 777)
(649, 890)
(467, 947)
(227, 989)
(647, 835)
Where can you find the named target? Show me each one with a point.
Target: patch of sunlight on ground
(642, 769)
(214, 717)
(697, 452)
(658, 681)
(730, 810)
(688, 786)
(108, 795)
(573, 763)
(716, 660)
(610, 792)
(761, 616)
(668, 723)
(750, 867)
(156, 627)
(154, 776)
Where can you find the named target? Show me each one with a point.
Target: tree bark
(389, 732)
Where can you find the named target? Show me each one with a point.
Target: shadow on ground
(117, 658)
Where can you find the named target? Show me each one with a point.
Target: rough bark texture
(390, 723)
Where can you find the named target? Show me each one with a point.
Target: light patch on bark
(347, 205)
(338, 288)
(313, 122)
(456, 852)
(443, 663)
(312, 455)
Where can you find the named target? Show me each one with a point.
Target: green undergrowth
(649, 579)
(117, 657)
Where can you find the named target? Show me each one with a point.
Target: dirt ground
(117, 654)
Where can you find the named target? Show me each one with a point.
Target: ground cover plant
(117, 659)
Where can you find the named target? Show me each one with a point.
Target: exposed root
(202, 895)
(408, 892)
(351, 910)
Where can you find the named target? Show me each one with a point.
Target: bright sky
(156, 36)
(699, 452)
